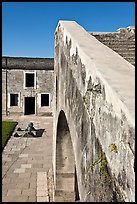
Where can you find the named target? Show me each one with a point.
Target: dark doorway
(29, 105)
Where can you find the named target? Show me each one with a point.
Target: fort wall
(95, 88)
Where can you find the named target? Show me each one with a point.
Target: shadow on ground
(36, 133)
(39, 132)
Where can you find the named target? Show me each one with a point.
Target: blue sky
(28, 27)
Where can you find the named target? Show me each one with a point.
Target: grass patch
(7, 129)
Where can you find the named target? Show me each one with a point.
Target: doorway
(29, 105)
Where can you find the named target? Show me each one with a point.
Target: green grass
(7, 129)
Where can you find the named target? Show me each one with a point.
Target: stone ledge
(42, 188)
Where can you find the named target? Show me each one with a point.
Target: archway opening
(66, 189)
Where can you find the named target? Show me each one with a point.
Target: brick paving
(26, 161)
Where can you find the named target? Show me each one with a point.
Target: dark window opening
(29, 79)
(44, 99)
(13, 99)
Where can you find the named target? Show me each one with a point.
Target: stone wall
(94, 87)
(122, 42)
(16, 69)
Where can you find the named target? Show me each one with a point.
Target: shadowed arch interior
(65, 163)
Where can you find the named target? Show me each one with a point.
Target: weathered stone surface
(94, 89)
(122, 42)
(13, 82)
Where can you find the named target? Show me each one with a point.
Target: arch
(66, 182)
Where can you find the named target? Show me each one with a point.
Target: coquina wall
(14, 70)
(94, 88)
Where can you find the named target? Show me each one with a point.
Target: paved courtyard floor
(26, 161)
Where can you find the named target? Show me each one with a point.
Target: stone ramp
(25, 161)
(95, 97)
(122, 42)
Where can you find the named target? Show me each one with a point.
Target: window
(44, 100)
(14, 99)
(29, 79)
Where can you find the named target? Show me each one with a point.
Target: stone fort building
(90, 89)
(27, 85)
